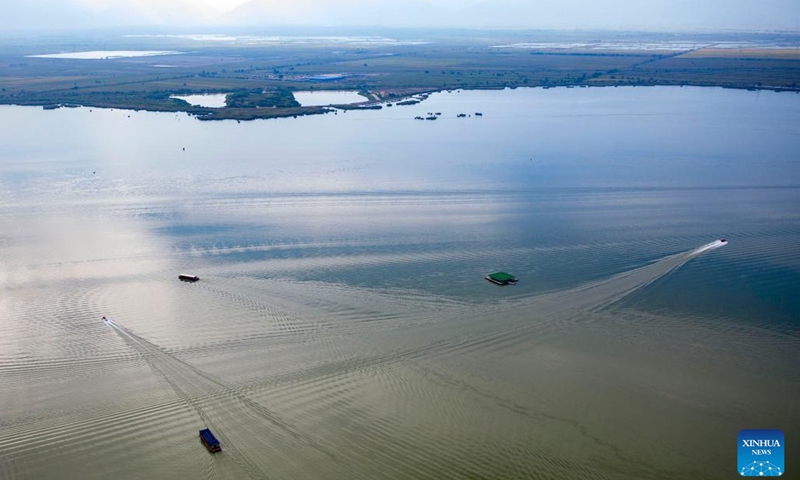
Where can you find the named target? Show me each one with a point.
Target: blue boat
(210, 441)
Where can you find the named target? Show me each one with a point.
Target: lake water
(342, 328)
(322, 98)
(105, 54)
(287, 39)
(210, 100)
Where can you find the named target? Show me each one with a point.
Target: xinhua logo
(761, 453)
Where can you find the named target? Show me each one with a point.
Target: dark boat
(502, 278)
(210, 441)
(188, 278)
(723, 240)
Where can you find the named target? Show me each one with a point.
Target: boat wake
(451, 338)
(605, 292)
(244, 426)
(710, 246)
(516, 321)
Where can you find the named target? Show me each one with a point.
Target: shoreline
(260, 82)
(376, 101)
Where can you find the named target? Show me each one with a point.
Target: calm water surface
(342, 327)
(210, 100)
(324, 98)
(105, 54)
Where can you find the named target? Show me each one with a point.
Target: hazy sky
(570, 14)
(225, 5)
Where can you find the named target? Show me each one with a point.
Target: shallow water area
(341, 326)
(288, 39)
(209, 100)
(324, 98)
(105, 54)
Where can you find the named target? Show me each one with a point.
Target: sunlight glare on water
(342, 327)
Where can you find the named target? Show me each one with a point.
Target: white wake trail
(610, 290)
(242, 424)
(710, 246)
(514, 321)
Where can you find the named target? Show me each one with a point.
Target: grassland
(259, 78)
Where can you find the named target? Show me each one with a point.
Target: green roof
(501, 276)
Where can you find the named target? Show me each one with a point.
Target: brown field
(750, 53)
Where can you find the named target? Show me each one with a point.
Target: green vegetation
(259, 113)
(263, 77)
(262, 99)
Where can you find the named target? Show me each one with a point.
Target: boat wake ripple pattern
(221, 407)
(230, 410)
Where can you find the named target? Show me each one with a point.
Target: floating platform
(210, 441)
(185, 277)
(502, 278)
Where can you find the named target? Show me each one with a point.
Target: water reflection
(342, 326)
(210, 100)
(324, 98)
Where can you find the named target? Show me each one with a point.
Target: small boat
(188, 278)
(723, 240)
(502, 278)
(210, 441)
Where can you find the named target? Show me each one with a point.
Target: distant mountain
(39, 14)
(75, 14)
(156, 12)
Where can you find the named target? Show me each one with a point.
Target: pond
(321, 98)
(105, 54)
(210, 100)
